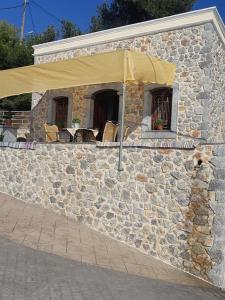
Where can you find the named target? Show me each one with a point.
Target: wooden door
(106, 108)
(100, 114)
(61, 112)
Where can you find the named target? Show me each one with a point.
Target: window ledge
(158, 134)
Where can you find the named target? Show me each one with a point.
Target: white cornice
(150, 27)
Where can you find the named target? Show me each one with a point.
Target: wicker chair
(51, 133)
(110, 132)
(125, 132)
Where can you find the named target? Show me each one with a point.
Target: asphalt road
(29, 274)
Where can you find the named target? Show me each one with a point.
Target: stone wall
(214, 81)
(199, 75)
(161, 203)
(217, 251)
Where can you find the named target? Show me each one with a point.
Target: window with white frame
(160, 112)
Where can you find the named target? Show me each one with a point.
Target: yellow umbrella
(118, 66)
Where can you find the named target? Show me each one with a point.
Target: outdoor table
(82, 134)
(23, 133)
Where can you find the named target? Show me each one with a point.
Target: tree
(68, 29)
(124, 12)
(14, 54)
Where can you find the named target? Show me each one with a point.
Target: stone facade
(214, 82)
(161, 203)
(167, 202)
(199, 57)
(41, 112)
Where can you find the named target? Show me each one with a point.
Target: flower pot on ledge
(159, 127)
(76, 125)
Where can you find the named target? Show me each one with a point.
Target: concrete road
(27, 274)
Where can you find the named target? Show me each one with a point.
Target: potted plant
(8, 118)
(76, 123)
(159, 124)
(1, 137)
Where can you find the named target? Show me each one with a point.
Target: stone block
(219, 174)
(217, 185)
(216, 255)
(70, 170)
(218, 162)
(219, 150)
(220, 197)
(150, 188)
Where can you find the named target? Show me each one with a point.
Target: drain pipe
(120, 168)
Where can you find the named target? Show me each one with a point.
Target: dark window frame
(161, 108)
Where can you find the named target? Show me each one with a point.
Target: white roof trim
(158, 25)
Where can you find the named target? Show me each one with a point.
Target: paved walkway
(42, 230)
(27, 274)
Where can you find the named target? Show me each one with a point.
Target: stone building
(169, 200)
(193, 108)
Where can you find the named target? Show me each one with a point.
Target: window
(161, 109)
(160, 112)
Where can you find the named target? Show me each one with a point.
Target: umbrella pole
(120, 168)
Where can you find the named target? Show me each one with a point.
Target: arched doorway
(106, 108)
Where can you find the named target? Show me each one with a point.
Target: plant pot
(159, 127)
(76, 125)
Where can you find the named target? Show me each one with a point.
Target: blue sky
(78, 11)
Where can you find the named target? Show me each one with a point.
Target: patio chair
(51, 133)
(84, 135)
(110, 132)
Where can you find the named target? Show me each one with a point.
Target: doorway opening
(106, 108)
(61, 112)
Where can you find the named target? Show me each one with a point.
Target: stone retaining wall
(161, 203)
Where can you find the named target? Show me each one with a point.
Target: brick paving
(89, 260)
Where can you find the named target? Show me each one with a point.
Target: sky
(77, 11)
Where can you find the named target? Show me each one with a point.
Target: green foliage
(12, 52)
(15, 54)
(76, 120)
(124, 12)
(159, 122)
(16, 103)
(68, 29)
